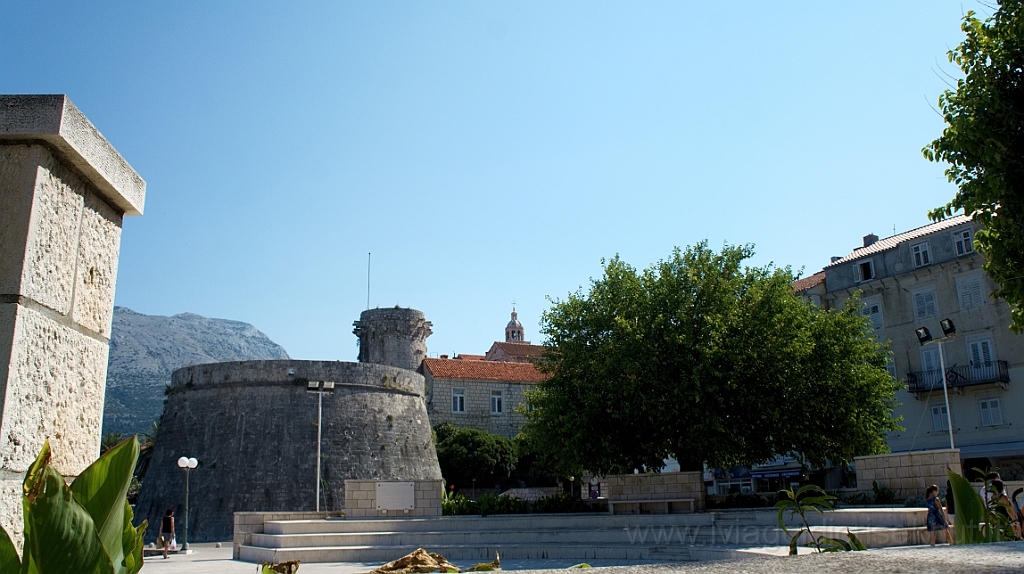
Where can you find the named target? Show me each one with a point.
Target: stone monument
(63, 193)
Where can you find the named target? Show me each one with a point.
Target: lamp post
(320, 388)
(925, 338)
(187, 464)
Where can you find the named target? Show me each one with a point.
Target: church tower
(514, 329)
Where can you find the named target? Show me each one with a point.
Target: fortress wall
(252, 426)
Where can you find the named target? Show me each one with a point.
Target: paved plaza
(978, 559)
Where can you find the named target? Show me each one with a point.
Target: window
(890, 367)
(991, 413)
(982, 358)
(864, 271)
(921, 255)
(969, 291)
(940, 420)
(496, 403)
(962, 242)
(924, 303)
(458, 400)
(873, 310)
(931, 369)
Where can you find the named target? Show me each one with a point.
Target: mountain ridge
(146, 349)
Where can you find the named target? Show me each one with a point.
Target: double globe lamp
(187, 464)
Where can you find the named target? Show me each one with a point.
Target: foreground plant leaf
(102, 489)
(60, 536)
(9, 561)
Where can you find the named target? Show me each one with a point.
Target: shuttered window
(969, 291)
(873, 310)
(991, 412)
(924, 303)
(939, 420)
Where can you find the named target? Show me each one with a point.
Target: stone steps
(676, 537)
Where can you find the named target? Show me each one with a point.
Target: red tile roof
(801, 285)
(890, 242)
(483, 370)
(521, 349)
(466, 357)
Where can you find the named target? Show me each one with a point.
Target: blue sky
(485, 152)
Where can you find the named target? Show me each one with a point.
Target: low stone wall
(361, 500)
(249, 523)
(654, 486)
(907, 473)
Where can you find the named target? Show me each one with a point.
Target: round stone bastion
(252, 426)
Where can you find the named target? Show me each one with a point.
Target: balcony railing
(965, 376)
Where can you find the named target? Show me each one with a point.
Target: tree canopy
(702, 359)
(465, 454)
(984, 144)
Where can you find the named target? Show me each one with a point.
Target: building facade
(917, 279)
(484, 391)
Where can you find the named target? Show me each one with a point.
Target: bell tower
(514, 329)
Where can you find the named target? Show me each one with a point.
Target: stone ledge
(55, 120)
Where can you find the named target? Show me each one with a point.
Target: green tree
(984, 144)
(704, 360)
(466, 454)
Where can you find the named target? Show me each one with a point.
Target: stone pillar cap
(56, 121)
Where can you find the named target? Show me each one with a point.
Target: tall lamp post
(187, 464)
(320, 388)
(925, 338)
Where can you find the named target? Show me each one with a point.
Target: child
(937, 519)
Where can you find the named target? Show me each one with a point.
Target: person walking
(937, 518)
(165, 534)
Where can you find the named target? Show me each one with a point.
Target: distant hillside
(145, 349)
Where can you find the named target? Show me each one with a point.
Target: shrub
(490, 503)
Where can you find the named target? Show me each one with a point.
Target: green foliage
(812, 498)
(883, 495)
(976, 522)
(984, 145)
(109, 441)
(455, 504)
(490, 503)
(466, 454)
(86, 527)
(693, 359)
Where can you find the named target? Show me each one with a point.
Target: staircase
(647, 537)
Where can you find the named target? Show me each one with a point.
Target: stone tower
(514, 330)
(392, 336)
(64, 191)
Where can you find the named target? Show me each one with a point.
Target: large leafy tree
(468, 454)
(984, 144)
(702, 359)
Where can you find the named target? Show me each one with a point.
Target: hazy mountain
(145, 349)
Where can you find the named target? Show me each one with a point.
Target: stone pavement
(1002, 558)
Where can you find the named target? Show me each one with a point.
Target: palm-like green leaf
(854, 541)
(970, 510)
(60, 536)
(131, 541)
(101, 489)
(9, 561)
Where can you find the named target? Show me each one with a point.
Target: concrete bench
(667, 502)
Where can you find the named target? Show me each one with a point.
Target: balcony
(956, 377)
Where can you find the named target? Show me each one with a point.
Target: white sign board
(396, 495)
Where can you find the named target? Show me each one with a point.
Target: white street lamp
(925, 338)
(320, 388)
(187, 464)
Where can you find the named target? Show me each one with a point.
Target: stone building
(484, 391)
(916, 279)
(64, 191)
(253, 427)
